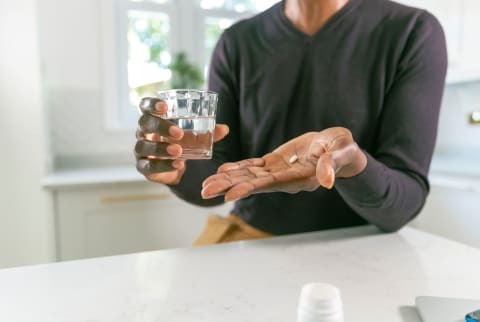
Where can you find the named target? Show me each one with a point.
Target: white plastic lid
(320, 302)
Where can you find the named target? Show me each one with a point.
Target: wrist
(358, 163)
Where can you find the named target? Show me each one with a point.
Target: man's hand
(155, 156)
(304, 163)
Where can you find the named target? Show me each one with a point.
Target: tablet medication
(293, 158)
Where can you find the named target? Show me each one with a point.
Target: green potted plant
(184, 73)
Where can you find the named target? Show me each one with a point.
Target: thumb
(221, 130)
(325, 171)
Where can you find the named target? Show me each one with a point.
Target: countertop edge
(119, 175)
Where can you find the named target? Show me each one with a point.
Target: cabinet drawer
(104, 220)
(452, 211)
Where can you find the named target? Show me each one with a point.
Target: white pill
(293, 158)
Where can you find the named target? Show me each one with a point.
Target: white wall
(72, 54)
(456, 134)
(26, 219)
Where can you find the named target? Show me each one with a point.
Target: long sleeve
(394, 186)
(221, 81)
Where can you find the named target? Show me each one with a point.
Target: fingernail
(207, 196)
(173, 150)
(160, 106)
(175, 132)
(331, 179)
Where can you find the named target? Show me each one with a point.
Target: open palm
(302, 164)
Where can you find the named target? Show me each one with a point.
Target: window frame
(187, 35)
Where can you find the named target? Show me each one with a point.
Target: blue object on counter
(473, 316)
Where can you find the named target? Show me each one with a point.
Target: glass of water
(193, 111)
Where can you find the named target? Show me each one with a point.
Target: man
(332, 109)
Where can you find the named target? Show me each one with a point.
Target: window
(148, 53)
(155, 39)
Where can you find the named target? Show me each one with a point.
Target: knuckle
(147, 104)
(158, 166)
(145, 148)
(139, 134)
(148, 123)
(143, 120)
(138, 149)
(143, 166)
(149, 167)
(153, 124)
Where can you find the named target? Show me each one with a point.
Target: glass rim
(175, 90)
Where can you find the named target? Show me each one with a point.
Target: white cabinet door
(461, 22)
(471, 29)
(452, 212)
(463, 43)
(102, 220)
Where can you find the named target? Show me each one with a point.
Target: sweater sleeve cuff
(369, 188)
(190, 187)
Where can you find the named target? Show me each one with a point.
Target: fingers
(153, 152)
(338, 156)
(343, 160)
(221, 130)
(152, 105)
(159, 126)
(215, 187)
(171, 177)
(237, 172)
(232, 177)
(163, 171)
(247, 188)
(325, 171)
(220, 182)
(151, 166)
(253, 162)
(149, 149)
(219, 177)
(151, 122)
(236, 185)
(239, 179)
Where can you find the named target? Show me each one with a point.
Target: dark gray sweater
(376, 67)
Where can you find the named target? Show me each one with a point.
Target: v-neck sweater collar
(282, 27)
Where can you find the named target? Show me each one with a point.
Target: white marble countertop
(92, 175)
(379, 276)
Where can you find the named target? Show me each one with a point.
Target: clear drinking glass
(193, 111)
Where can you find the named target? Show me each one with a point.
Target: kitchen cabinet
(461, 22)
(452, 209)
(116, 211)
(108, 218)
